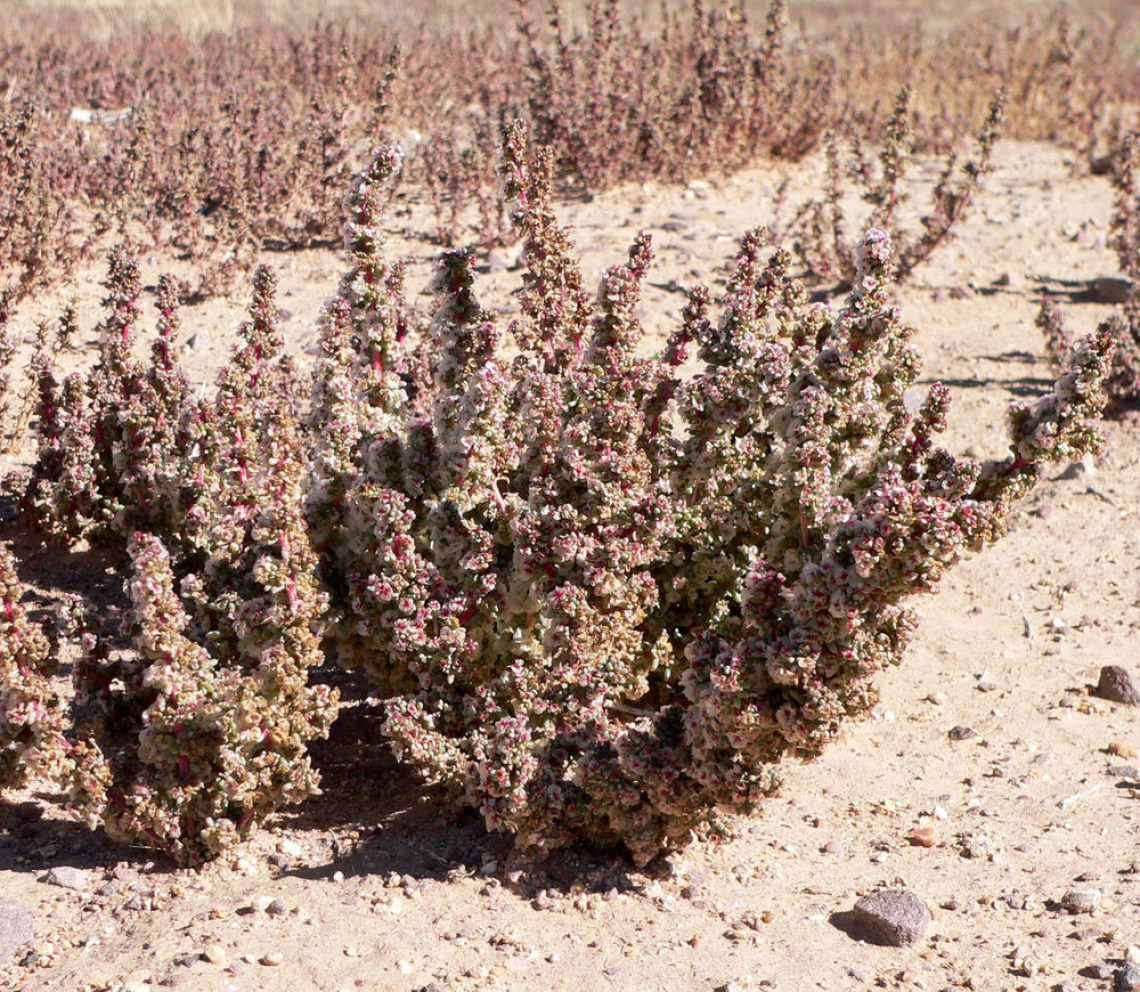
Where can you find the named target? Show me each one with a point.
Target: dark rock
(894, 917)
(961, 733)
(68, 878)
(1123, 771)
(1102, 165)
(1112, 289)
(16, 928)
(1118, 685)
(1127, 978)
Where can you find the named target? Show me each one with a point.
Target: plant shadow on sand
(400, 825)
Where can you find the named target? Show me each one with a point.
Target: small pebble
(214, 953)
(1081, 901)
(923, 837)
(68, 878)
(1121, 750)
(272, 959)
(961, 733)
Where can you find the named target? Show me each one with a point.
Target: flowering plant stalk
(116, 443)
(608, 599)
(823, 223)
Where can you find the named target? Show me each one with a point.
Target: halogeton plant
(204, 725)
(822, 225)
(1123, 382)
(609, 599)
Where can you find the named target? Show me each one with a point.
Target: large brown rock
(894, 917)
(16, 928)
(1118, 685)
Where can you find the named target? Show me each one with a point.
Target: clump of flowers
(609, 599)
(200, 748)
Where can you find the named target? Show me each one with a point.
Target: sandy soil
(382, 886)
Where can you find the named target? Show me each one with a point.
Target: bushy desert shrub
(191, 733)
(115, 442)
(609, 599)
(1126, 217)
(618, 102)
(204, 725)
